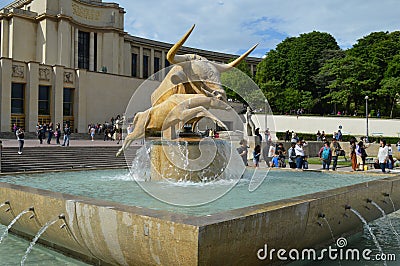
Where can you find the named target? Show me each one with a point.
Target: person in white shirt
(383, 155)
(20, 137)
(299, 153)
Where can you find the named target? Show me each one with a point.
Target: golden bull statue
(190, 88)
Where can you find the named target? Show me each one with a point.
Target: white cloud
(233, 26)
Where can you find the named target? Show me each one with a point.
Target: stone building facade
(71, 61)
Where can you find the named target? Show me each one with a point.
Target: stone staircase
(32, 135)
(60, 158)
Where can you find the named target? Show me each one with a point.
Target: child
(275, 161)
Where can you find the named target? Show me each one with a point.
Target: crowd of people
(44, 132)
(111, 130)
(275, 155)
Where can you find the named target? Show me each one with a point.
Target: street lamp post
(266, 113)
(366, 114)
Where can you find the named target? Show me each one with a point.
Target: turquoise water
(118, 186)
(386, 238)
(13, 248)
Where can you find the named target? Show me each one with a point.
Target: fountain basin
(116, 234)
(189, 159)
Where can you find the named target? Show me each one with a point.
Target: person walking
(353, 156)
(67, 133)
(390, 154)
(57, 133)
(243, 150)
(256, 155)
(292, 156)
(383, 155)
(50, 133)
(325, 154)
(20, 137)
(336, 150)
(92, 132)
(40, 133)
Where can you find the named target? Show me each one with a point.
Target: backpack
(363, 153)
(325, 153)
(292, 153)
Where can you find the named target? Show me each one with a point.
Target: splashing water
(394, 209)
(140, 169)
(370, 232)
(5, 233)
(387, 219)
(36, 238)
(330, 229)
(223, 171)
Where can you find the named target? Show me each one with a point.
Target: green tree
(350, 80)
(236, 80)
(390, 84)
(293, 64)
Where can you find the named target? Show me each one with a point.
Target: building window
(145, 66)
(167, 68)
(17, 98)
(134, 65)
(68, 102)
(44, 100)
(157, 65)
(83, 49)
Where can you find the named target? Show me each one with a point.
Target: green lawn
(316, 160)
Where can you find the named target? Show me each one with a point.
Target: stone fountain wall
(108, 233)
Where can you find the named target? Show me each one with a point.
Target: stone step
(59, 158)
(32, 135)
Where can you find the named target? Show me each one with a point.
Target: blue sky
(234, 26)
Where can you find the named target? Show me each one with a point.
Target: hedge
(313, 137)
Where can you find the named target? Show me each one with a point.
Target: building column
(99, 50)
(80, 112)
(4, 38)
(91, 52)
(57, 92)
(64, 44)
(76, 47)
(5, 93)
(163, 64)
(140, 62)
(32, 97)
(151, 62)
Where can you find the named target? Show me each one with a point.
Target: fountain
(389, 221)
(37, 236)
(224, 225)
(5, 233)
(370, 231)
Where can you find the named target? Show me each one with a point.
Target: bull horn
(171, 55)
(232, 64)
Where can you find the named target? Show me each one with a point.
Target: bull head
(197, 68)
